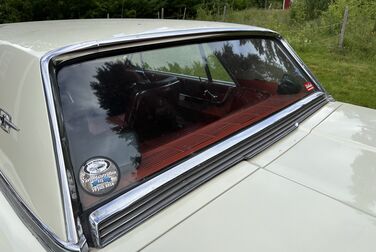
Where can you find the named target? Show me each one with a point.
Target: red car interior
(248, 103)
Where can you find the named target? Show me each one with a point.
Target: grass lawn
(346, 78)
(348, 75)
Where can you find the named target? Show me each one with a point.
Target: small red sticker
(309, 86)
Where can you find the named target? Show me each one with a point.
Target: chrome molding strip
(196, 32)
(73, 51)
(128, 199)
(69, 217)
(47, 238)
(186, 32)
(65, 53)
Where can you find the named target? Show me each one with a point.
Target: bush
(304, 10)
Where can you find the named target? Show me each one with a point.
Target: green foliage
(360, 36)
(14, 11)
(31, 10)
(347, 77)
(358, 8)
(303, 10)
(215, 12)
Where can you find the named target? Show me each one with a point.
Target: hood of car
(313, 191)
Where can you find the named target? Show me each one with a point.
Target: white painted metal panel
(266, 212)
(27, 157)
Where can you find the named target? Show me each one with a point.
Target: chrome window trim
(70, 224)
(73, 51)
(82, 49)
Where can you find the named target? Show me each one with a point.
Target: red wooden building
(287, 4)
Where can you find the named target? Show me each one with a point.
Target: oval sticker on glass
(99, 176)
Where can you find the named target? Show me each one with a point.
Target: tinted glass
(138, 113)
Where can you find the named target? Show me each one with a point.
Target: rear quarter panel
(27, 157)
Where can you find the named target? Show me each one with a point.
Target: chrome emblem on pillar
(6, 122)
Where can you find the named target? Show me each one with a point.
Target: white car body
(313, 190)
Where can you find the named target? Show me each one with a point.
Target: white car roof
(37, 38)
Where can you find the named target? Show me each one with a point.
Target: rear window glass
(128, 117)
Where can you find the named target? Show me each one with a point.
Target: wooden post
(185, 10)
(162, 13)
(108, 15)
(224, 13)
(158, 15)
(343, 28)
(122, 9)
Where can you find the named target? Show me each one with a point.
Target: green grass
(346, 78)
(349, 75)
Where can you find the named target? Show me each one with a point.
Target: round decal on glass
(99, 176)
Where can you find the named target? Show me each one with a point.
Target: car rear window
(128, 117)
